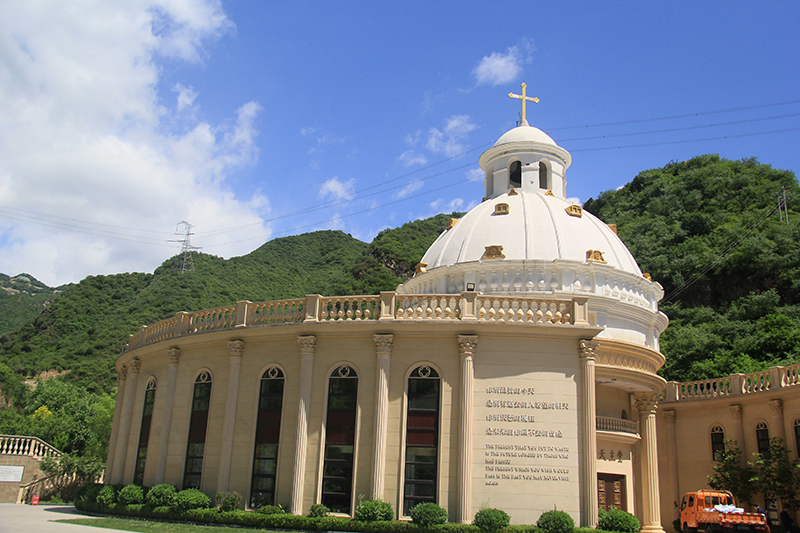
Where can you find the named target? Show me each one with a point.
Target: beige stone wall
(9, 491)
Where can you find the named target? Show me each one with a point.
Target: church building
(517, 369)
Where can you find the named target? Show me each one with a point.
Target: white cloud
(447, 141)
(498, 69)
(441, 206)
(186, 96)
(335, 222)
(476, 174)
(575, 200)
(84, 137)
(412, 157)
(338, 190)
(410, 188)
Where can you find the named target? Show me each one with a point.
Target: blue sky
(255, 120)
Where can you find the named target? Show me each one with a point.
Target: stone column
(651, 506)
(226, 449)
(738, 432)
(174, 355)
(467, 344)
(308, 345)
(125, 422)
(672, 454)
(116, 421)
(383, 347)
(588, 424)
(776, 406)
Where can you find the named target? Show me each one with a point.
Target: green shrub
(87, 493)
(318, 510)
(428, 514)
(107, 495)
(191, 499)
(491, 520)
(271, 509)
(373, 510)
(618, 520)
(555, 521)
(162, 495)
(131, 495)
(228, 501)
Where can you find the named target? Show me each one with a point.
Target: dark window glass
(717, 442)
(544, 179)
(198, 423)
(144, 433)
(340, 438)
(762, 438)
(422, 438)
(268, 432)
(515, 174)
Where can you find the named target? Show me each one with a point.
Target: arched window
(144, 432)
(195, 449)
(544, 176)
(717, 442)
(340, 440)
(797, 437)
(422, 438)
(515, 174)
(762, 438)
(624, 414)
(268, 433)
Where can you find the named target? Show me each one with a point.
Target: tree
(731, 475)
(777, 475)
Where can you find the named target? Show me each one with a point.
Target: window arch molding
(546, 178)
(148, 401)
(402, 466)
(515, 173)
(340, 370)
(199, 409)
(762, 437)
(716, 433)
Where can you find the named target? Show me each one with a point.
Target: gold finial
(524, 99)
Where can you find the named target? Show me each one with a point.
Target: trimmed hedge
(618, 520)
(491, 520)
(556, 521)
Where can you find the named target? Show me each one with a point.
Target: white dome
(537, 227)
(525, 134)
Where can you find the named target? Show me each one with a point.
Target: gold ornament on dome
(493, 252)
(646, 276)
(451, 223)
(595, 256)
(549, 193)
(574, 210)
(421, 268)
(612, 227)
(513, 192)
(501, 209)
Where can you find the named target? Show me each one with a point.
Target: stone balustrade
(28, 446)
(733, 385)
(605, 423)
(467, 306)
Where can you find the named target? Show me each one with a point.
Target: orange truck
(713, 511)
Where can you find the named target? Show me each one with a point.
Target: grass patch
(146, 526)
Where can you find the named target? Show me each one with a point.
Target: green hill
(709, 231)
(21, 299)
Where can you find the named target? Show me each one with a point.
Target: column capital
(467, 344)
(383, 343)
(134, 365)
(308, 344)
(588, 348)
(646, 402)
(122, 375)
(669, 415)
(174, 355)
(736, 412)
(236, 348)
(776, 406)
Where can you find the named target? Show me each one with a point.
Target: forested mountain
(709, 231)
(21, 299)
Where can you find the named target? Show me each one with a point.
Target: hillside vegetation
(21, 299)
(708, 230)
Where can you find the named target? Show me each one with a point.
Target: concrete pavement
(38, 519)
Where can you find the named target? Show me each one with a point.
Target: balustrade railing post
(671, 392)
(182, 324)
(580, 311)
(388, 305)
(312, 307)
(241, 313)
(776, 377)
(468, 299)
(737, 384)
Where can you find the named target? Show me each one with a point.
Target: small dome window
(544, 176)
(515, 174)
(501, 209)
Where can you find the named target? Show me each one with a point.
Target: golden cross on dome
(524, 99)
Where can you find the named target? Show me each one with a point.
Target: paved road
(38, 519)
